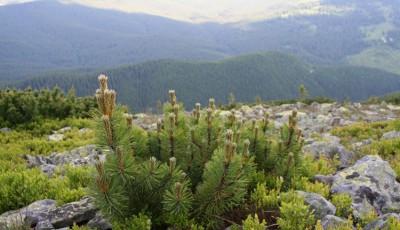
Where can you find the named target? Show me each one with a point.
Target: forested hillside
(267, 75)
(48, 35)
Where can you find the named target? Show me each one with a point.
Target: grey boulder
(5, 130)
(27, 216)
(75, 212)
(330, 148)
(56, 137)
(318, 203)
(44, 225)
(99, 222)
(391, 135)
(381, 222)
(371, 183)
(44, 215)
(86, 155)
(330, 222)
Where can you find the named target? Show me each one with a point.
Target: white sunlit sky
(201, 10)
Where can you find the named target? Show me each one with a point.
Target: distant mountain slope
(268, 75)
(47, 35)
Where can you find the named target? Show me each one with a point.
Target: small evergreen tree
(191, 171)
(303, 92)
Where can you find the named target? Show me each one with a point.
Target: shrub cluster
(24, 186)
(21, 186)
(193, 171)
(20, 107)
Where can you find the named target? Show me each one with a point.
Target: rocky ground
(370, 181)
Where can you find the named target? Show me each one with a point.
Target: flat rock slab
(76, 212)
(29, 215)
(44, 214)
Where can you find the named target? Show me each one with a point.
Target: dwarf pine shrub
(342, 202)
(22, 187)
(139, 222)
(191, 171)
(315, 187)
(253, 223)
(264, 198)
(295, 215)
(393, 223)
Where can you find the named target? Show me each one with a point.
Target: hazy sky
(204, 10)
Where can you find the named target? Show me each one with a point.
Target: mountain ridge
(41, 36)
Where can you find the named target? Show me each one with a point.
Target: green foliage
(288, 161)
(76, 227)
(393, 98)
(342, 202)
(387, 149)
(363, 130)
(316, 187)
(393, 223)
(206, 167)
(321, 166)
(303, 92)
(273, 76)
(174, 137)
(17, 142)
(20, 188)
(177, 204)
(224, 186)
(253, 223)
(266, 199)
(231, 100)
(295, 215)
(205, 135)
(318, 226)
(140, 146)
(21, 107)
(348, 225)
(78, 176)
(139, 222)
(367, 217)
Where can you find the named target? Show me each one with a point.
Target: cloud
(204, 10)
(6, 2)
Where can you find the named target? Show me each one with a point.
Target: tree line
(28, 105)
